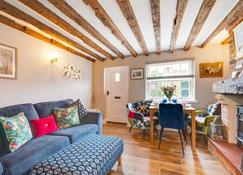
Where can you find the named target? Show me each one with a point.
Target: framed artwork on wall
(238, 39)
(137, 74)
(8, 62)
(211, 70)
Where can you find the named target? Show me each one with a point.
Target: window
(117, 77)
(179, 73)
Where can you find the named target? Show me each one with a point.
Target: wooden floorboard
(142, 158)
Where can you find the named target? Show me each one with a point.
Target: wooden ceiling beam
(107, 21)
(67, 10)
(235, 13)
(128, 13)
(11, 23)
(15, 12)
(180, 9)
(47, 13)
(155, 9)
(203, 13)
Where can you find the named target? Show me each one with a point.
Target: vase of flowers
(169, 91)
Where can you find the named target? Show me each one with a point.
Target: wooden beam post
(48, 14)
(180, 9)
(127, 11)
(202, 15)
(235, 13)
(155, 9)
(15, 12)
(67, 10)
(11, 23)
(107, 21)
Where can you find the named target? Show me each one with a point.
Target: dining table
(187, 110)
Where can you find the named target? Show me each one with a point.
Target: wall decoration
(238, 38)
(211, 70)
(8, 62)
(137, 74)
(69, 72)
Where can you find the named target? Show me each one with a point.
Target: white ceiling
(142, 10)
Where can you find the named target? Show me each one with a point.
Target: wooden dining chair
(172, 116)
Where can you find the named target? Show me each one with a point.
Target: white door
(116, 81)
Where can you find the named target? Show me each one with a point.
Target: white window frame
(176, 77)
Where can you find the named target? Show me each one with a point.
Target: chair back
(171, 116)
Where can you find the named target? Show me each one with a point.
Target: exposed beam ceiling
(107, 21)
(101, 29)
(66, 9)
(44, 11)
(127, 11)
(155, 10)
(13, 11)
(236, 12)
(203, 13)
(13, 24)
(180, 9)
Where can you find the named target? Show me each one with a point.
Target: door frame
(104, 92)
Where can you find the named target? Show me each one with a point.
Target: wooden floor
(140, 158)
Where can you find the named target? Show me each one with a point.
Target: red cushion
(43, 126)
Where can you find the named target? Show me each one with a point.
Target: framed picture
(137, 74)
(8, 62)
(211, 70)
(238, 38)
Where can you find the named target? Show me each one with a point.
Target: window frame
(190, 77)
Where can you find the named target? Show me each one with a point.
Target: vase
(169, 99)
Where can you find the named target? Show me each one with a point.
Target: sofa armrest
(93, 118)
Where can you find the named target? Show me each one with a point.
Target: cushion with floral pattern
(15, 131)
(81, 110)
(66, 117)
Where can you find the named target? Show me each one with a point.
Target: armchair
(138, 116)
(205, 117)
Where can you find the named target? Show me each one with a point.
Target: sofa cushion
(44, 126)
(15, 131)
(44, 109)
(32, 153)
(82, 112)
(66, 117)
(27, 109)
(77, 132)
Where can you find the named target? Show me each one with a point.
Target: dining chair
(139, 119)
(172, 116)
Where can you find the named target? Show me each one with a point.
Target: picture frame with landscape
(137, 74)
(8, 62)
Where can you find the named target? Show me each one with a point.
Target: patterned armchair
(138, 115)
(206, 116)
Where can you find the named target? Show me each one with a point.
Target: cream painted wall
(204, 93)
(38, 80)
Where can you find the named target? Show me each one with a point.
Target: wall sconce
(53, 60)
(53, 57)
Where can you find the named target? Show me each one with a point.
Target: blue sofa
(38, 149)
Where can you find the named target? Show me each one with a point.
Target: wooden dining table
(187, 110)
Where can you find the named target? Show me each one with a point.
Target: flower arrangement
(169, 91)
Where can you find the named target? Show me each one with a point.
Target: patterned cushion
(15, 131)
(143, 106)
(66, 117)
(95, 154)
(81, 110)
